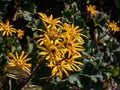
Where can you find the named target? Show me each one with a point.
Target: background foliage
(101, 59)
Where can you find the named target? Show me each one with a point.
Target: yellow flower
(50, 48)
(6, 28)
(50, 21)
(114, 27)
(59, 68)
(74, 47)
(19, 61)
(73, 32)
(64, 66)
(73, 64)
(20, 33)
(92, 10)
(53, 33)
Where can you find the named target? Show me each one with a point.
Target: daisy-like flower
(73, 65)
(6, 28)
(53, 22)
(73, 32)
(50, 48)
(74, 47)
(20, 33)
(92, 10)
(53, 33)
(19, 61)
(64, 66)
(114, 27)
(60, 68)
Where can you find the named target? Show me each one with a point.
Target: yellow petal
(47, 57)
(3, 34)
(54, 71)
(43, 53)
(78, 62)
(11, 55)
(25, 56)
(42, 48)
(25, 60)
(65, 71)
(68, 67)
(16, 55)
(21, 54)
(73, 67)
(60, 74)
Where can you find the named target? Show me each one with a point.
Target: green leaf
(30, 47)
(33, 87)
(100, 19)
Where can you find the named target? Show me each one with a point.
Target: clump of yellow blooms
(113, 26)
(6, 28)
(92, 10)
(61, 43)
(19, 61)
(20, 33)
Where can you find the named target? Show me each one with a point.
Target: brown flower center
(19, 62)
(6, 27)
(53, 50)
(69, 45)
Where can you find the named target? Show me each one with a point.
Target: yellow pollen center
(19, 63)
(6, 27)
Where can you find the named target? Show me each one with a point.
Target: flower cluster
(61, 43)
(15, 61)
(8, 29)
